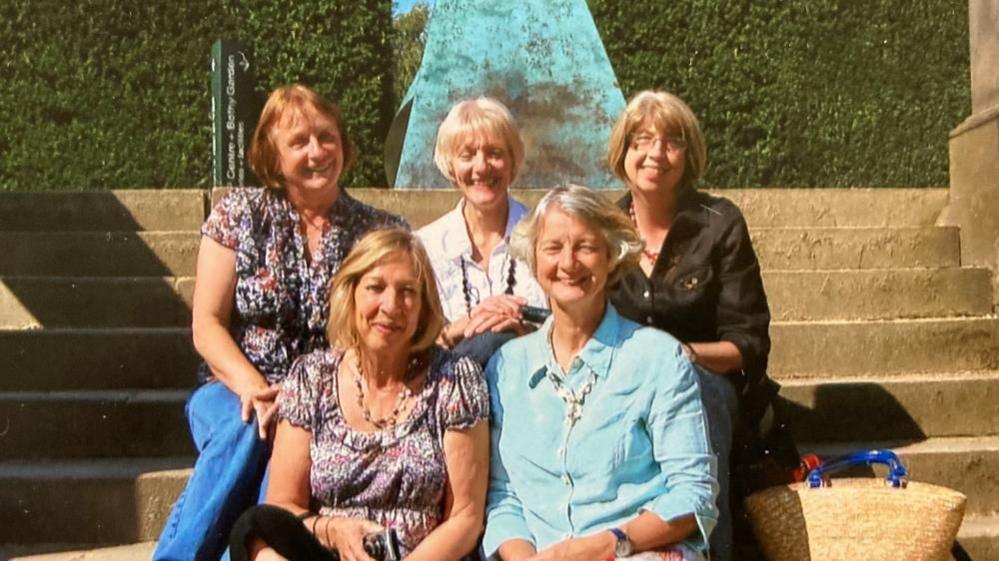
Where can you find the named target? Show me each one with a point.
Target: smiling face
(387, 305)
(309, 151)
(654, 161)
(572, 261)
(483, 170)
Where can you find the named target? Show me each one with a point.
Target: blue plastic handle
(896, 471)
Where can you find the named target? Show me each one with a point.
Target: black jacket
(706, 287)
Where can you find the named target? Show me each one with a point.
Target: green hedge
(101, 94)
(823, 93)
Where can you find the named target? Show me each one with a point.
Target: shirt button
(648, 320)
(645, 294)
(565, 479)
(561, 452)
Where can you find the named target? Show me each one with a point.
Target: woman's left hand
(597, 547)
(496, 313)
(261, 402)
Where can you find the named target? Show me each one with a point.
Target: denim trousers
(721, 404)
(225, 482)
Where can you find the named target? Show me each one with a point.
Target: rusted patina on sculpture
(543, 59)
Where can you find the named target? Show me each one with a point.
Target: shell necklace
(574, 400)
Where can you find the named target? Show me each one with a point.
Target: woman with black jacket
(698, 279)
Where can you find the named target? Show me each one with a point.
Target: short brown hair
(291, 100)
(471, 117)
(669, 115)
(367, 254)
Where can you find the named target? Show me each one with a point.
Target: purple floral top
(395, 477)
(280, 304)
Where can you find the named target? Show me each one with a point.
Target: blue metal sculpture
(543, 59)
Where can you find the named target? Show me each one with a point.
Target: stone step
(175, 253)
(89, 501)
(856, 248)
(98, 423)
(139, 209)
(96, 359)
(184, 209)
(33, 302)
(803, 349)
(62, 359)
(128, 500)
(142, 551)
(762, 207)
(967, 464)
(94, 424)
(900, 408)
(839, 207)
(878, 293)
(979, 535)
(135, 254)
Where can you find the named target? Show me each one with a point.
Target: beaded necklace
(650, 255)
(467, 289)
(414, 365)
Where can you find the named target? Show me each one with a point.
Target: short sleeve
(300, 391)
(463, 399)
(222, 224)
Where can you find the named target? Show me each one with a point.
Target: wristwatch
(623, 547)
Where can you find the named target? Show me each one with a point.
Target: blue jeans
(225, 481)
(721, 404)
(481, 347)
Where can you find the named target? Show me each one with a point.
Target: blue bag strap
(818, 477)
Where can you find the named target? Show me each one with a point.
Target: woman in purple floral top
(381, 430)
(266, 259)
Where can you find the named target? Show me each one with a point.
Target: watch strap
(623, 548)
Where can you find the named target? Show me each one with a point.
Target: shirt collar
(460, 244)
(597, 354)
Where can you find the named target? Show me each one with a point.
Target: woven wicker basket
(856, 520)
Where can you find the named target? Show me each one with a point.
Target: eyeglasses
(645, 141)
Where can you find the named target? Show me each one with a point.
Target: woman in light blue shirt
(599, 439)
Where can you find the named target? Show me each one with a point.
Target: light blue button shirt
(641, 443)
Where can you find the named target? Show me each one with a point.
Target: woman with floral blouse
(380, 429)
(264, 266)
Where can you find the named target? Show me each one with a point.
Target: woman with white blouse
(483, 287)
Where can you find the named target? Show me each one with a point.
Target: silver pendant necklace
(574, 400)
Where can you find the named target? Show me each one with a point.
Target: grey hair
(623, 241)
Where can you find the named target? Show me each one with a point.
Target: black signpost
(235, 111)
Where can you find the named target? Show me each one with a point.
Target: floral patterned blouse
(280, 303)
(396, 476)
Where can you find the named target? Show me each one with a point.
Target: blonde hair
(369, 252)
(286, 101)
(623, 242)
(669, 115)
(484, 115)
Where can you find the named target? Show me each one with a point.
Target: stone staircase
(880, 338)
